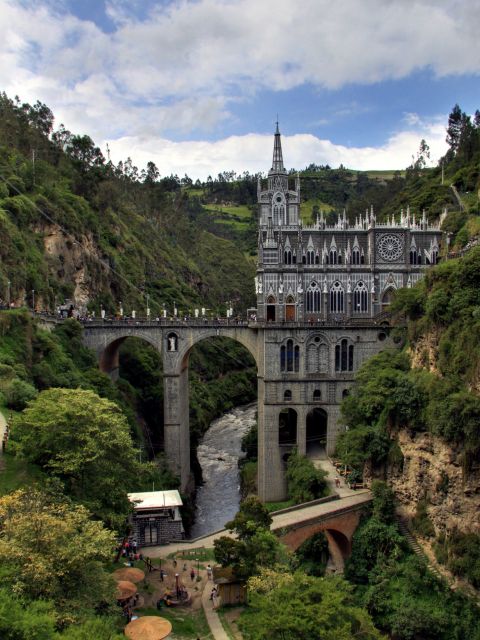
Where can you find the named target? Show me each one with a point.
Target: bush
(304, 482)
(18, 393)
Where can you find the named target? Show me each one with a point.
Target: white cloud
(252, 152)
(224, 48)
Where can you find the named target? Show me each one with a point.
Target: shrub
(18, 393)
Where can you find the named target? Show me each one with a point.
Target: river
(218, 453)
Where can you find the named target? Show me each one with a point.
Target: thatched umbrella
(129, 573)
(125, 590)
(148, 628)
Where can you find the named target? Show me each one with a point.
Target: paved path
(213, 619)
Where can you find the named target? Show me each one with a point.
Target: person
(337, 481)
(214, 597)
(209, 572)
(192, 574)
(162, 574)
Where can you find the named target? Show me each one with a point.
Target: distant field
(384, 174)
(307, 207)
(238, 217)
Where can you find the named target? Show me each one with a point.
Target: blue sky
(196, 86)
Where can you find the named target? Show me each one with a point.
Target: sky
(196, 86)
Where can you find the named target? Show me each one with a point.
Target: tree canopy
(83, 440)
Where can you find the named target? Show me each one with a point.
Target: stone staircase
(417, 549)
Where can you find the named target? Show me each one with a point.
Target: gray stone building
(322, 293)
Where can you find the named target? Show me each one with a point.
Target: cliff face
(432, 469)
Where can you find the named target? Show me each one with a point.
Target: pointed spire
(277, 162)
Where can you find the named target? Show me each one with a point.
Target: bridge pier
(176, 424)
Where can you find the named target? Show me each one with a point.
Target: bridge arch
(176, 386)
(109, 352)
(338, 529)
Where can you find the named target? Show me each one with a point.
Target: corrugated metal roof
(155, 499)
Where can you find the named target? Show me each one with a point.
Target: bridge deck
(302, 515)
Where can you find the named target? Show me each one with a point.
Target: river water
(218, 498)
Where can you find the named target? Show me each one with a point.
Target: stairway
(417, 549)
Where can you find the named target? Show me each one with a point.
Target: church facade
(322, 296)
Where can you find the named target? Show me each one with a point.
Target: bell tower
(279, 227)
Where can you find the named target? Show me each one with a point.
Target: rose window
(390, 247)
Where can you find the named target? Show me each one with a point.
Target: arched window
(317, 259)
(345, 393)
(333, 256)
(434, 256)
(336, 298)
(362, 259)
(304, 259)
(313, 298)
(317, 395)
(288, 257)
(287, 395)
(276, 215)
(360, 298)
(289, 357)
(310, 257)
(419, 258)
(413, 256)
(339, 258)
(356, 256)
(344, 356)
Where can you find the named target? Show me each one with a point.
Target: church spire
(277, 163)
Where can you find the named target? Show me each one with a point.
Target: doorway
(290, 309)
(317, 420)
(271, 308)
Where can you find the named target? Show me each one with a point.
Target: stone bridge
(337, 519)
(304, 371)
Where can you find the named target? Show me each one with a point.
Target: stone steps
(417, 549)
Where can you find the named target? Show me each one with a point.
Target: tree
(256, 547)
(84, 440)
(251, 516)
(52, 550)
(383, 502)
(304, 482)
(454, 127)
(300, 607)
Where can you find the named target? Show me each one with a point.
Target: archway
(271, 309)
(316, 433)
(290, 309)
(287, 428)
(217, 390)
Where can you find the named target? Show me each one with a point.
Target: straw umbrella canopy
(125, 590)
(148, 628)
(129, 573)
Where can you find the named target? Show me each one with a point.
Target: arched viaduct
(296, 387)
